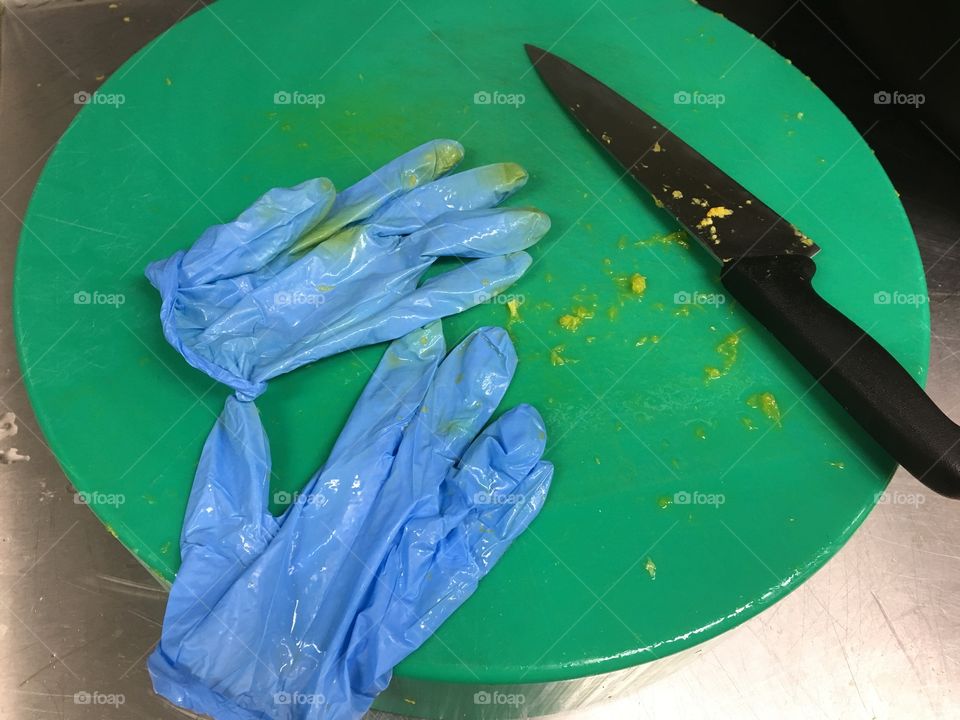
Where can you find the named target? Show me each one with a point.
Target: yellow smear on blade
(719, 212)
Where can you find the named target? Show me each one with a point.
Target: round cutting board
(683, 502)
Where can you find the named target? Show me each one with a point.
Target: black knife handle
(853, 367)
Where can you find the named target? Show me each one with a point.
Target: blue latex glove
(306, 615)
(245, 304)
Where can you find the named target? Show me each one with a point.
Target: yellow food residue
(677, 195)
(513, 308)
(719, 212)
(677, 237)
(727, 349)
(657, 147)
(767, 404)
(556, 357)
(574, 319)
(638, 284)
(700, 433)
(664, 501)
(714, 212)
(748, 423)
(651, 568)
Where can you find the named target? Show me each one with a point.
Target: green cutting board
(678, 510)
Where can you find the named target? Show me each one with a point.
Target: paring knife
(767, 265)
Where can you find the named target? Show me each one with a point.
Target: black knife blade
(719, 212)
(767, 265)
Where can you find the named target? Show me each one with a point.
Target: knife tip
(533, 52)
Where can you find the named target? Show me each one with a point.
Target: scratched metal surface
(875, 634)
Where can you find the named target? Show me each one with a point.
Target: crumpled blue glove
(304, 616)
(306, 273)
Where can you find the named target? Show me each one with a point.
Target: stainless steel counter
(875, 634)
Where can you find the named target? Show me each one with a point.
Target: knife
(767, 265)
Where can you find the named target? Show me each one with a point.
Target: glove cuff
(164, 275)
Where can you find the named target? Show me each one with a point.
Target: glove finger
(433, 570)
(227, 524)
(500, 457)
(266, 228)
(393, 394)
(465, 392)
(473, 189)
(411, 170)
(479, 233)
(446, 294)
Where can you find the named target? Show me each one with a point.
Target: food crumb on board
(677, 195)
(838, 464)
(513, 309)
(700, 433)
(574, 319)
(638, 284)
(606, 138)
(657, 147)
(748, 423)
(767, 404)
(664, 501)
(651, 568)
(556, 356)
